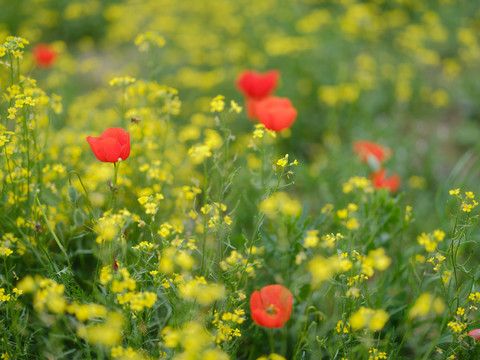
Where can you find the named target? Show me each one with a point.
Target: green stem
(6, 273)
(272, 348)
(51, 229)
(114, 186)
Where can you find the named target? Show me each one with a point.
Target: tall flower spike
(271, 306)
(112, 146)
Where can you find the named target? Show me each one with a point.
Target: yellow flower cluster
(272, 356)
(376, 259)
(280, 203)
(217, 104)
(172, 257)
(457, 327)
(235, 261)
(357, 182)
(84, 312)
(368, 318)
(342, 328)
(323, 269)
(47, 294)
(376, 355)
(137, 301)
(260, 130)
(109, 226)
(195, 341)
(122, 81)
(431, 240)
(226, 325)
(147, 40)
(200, 290)
(13, 45)
(425, 303)
(108, 333)
(335, 94)
(5, 297)
(119, 353)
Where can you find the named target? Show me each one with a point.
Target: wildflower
(271, 306)
(424, 303)
(217, 104)
(199, 153)
(373, 319)
(376, 355)
(456, 327)
(44, 55)
(257, 86)
(371, 153)
(234, 107)
(272, 356)
(380, 181)
(276, 113)
(112, 146)
(323, 269)
(454, 192)
(475, 334)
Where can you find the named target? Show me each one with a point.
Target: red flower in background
(271, 306)
(251, 108)
(257, 86)
(380, 180)
(275, 113)
(112, 146)
(44, 55)
(370, 150)
(475, 334)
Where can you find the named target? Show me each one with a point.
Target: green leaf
(78, 217)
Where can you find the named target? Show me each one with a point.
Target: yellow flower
(217, 104)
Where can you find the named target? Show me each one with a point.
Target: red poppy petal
(256, 85)
(110, 149)
(125, 152)
(475, 334)
(281, 118)
(251, 106)
(93, 142)
(117, 133)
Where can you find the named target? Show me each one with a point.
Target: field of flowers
(239, 179)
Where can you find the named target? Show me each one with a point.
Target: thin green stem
(272, 348)
(51, 229)
(114, 186)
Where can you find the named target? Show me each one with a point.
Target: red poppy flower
(112, 146)
(271, 306)
(251, 107)
(275, 113)
(44, 55)
(475, 334)
(380, 181)
(369, 150)
(256, 85)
